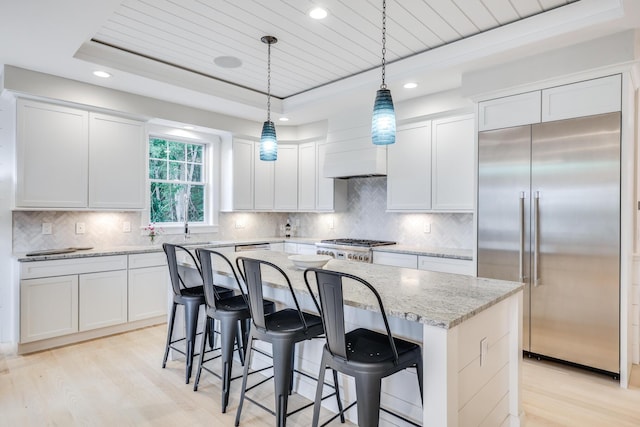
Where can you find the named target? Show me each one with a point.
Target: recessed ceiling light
(227, 62)
(102, 74)
(318, 13)
(284, 119)
(410, 85)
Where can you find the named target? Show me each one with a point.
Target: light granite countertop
(464, 254)
(442, 300)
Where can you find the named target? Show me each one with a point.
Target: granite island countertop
(443, 300)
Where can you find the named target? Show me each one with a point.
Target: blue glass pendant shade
(383, 124)
(268, 142)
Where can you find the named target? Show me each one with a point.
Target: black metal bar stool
(283, 329)
(366, 355)
(191, 298)
(230, 312)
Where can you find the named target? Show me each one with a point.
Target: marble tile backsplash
(365, 218)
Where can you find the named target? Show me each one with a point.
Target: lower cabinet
(395, 259)
(446, 265)
(148, 291)
(48, 307)
(67, 296)
(102, 299)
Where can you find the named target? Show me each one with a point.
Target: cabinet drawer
(59, 267)
(395, 259)
(154, 259)
(446, 265)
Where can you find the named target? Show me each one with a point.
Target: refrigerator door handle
(521, 224)
(536, 219)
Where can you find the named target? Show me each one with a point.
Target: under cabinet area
(81, 150)
(69, 300)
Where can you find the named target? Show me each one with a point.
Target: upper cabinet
(52, 156)
(288, 184)
(408, 171)
(73, 159)
(117, 158)
(431, 166)
(586, 98)
(453, 158)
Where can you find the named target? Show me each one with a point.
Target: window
(177, 175)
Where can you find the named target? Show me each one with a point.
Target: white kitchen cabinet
(48, 307)
(117, 155)
(286, 178)
(306, 249)
(597, 96)
(290, 248)
(102, 299)
(515, 110)
(307, 176)
(395, 259)
(70, 158)
(446, 265)
(65, 296)
(243, 174)
(52, 155)
(453, 158)
(148, 286)
(409, 169)
(263, 181)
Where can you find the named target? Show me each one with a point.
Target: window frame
(210, 172)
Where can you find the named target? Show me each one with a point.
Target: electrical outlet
(80, 229)
(126, 227)
(330, 223)
(47, 228)
(239, 224)
(427, 227)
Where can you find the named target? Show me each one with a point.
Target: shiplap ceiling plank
(190, 34)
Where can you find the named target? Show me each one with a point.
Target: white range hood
(354, 157)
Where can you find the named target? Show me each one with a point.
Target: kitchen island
(469, 329)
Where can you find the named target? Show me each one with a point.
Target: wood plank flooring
(118, 380)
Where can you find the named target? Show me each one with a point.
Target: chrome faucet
(186, 217)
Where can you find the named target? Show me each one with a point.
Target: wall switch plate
(80, 228)
(47, 228)
(427, 227)
(126, 227)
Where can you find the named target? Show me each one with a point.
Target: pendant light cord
(269, 82)
(384, 41)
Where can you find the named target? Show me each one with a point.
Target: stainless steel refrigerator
(549, 216)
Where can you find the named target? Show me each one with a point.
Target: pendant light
(383, 123)
(268, 141)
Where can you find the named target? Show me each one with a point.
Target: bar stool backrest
(253, 279)
(211, 295)
(171, 250)
(330, 290)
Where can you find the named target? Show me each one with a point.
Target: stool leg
(228, 329)
(191, 323)
(282, 367)
(169, 333)
(368, 397)
(335, 384)
(205, 335)
(247, 362)
(319, 387)
(420, 377)
(240, 343)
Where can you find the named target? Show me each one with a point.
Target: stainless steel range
(350, 249)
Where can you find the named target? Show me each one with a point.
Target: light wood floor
(118, 381)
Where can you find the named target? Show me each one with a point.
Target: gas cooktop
(357, 242)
